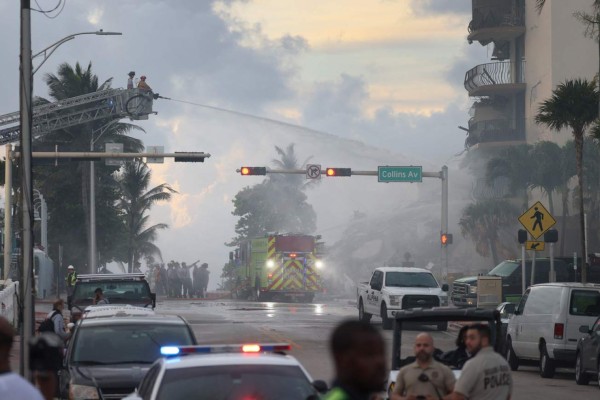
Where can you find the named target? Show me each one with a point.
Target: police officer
(360, 364)
(425, 377)
(486, 376)
(71, 278)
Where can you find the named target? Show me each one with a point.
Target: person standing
(425, 377)
(196, 283)
(204, 276)
(164, 279)
(486, 376)
(142, 85)
(71, 279)
(12, 386)
(99, 298)
(130, 80)
(360, 365)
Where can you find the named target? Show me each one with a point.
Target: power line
(47, 12)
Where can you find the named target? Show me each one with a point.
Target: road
(307, 327)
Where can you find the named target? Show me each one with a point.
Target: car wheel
(580, 376)
(511, 357)
(387, 323)
(547, 366)
(442, 326)
(362, 315)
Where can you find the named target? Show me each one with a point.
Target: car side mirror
(445, 287)
(320, 386)
(585, 329)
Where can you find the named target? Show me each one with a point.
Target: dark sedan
(587, 366)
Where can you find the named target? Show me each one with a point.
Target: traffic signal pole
(442, 175)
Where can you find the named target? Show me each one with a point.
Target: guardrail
(496, 73)
(9, 307)
(494, 14)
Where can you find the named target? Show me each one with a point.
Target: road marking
(271, 333)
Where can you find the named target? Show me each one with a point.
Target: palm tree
(134, 203)
(482, 221)
(548, 169)
(288, 161)
(574, 105)
(67, 83)
(567, 171)
(512, 163)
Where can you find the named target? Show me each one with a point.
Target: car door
(584, 308)
(589, 347)
(373, 293)
(515, 325)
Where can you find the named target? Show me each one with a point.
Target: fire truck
(278, 267)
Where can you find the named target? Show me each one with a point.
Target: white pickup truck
(394, 288)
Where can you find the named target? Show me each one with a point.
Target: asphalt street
(307, 328)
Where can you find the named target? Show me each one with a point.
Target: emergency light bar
(110, 277)
(250, 348)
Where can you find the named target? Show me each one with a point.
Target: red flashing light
(293, 255)
(270, 276)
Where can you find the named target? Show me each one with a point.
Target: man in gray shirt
(486, 376)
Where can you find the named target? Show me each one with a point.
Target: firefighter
(143, 85)
(71, 278)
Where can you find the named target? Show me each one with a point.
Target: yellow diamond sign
(537, 220)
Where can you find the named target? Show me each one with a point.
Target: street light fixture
(47, 52)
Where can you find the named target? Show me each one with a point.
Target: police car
(236, 372)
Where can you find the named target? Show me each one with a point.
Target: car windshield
(504, 269)
(115, 291)
(410, 279)
(236, 382)
(126, 343)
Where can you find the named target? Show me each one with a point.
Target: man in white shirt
(12, 386)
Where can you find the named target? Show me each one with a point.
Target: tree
(135, 202)
(547, 174)
(574, 105)
(512, 163)
(481, 222)
(278, 204)
(66, 186)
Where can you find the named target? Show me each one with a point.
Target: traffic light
(253, 170)
(338, 172)
(188, 156)
(446, 239)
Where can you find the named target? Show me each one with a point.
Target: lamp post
(25, 106)
(93, 251)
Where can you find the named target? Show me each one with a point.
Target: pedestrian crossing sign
(535, 245)
(537, 220)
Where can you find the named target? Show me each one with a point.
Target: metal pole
(444, 176)
(44, 227)
(523, 276)
(552, 274)
(26, 188)
(7, 211)
(92, 247)
(533, 265)
(585, 258)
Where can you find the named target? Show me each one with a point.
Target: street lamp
(47, 52)
(25, 106)
(93, 252)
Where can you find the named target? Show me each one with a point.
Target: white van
(546, 324)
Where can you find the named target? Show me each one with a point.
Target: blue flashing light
(169, 350)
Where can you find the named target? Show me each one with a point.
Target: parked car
(546, 324)
(506, 310)
(464, 290)
(109, 354)
(587, 361)
(397, 288)
(253, 371)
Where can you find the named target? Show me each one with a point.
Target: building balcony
(497, 78)
(495, 132)
(496, 21)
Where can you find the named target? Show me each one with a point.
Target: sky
(374, 82)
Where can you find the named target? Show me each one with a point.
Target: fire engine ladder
(105, 104)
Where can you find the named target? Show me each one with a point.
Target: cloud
(428, 7)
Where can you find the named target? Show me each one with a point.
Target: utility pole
(26, 188)
(92, 245)
(444, 178)
(7, 210)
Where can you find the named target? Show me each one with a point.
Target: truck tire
(386, 322)
(511, 357)
(547, 365)
(581, 378)
(362, 315)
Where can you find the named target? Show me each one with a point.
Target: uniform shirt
(485, 377)
(13, 386)
(440, 378)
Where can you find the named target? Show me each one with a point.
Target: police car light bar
(236, 348)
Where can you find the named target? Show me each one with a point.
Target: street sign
(155, 150)
(113, 148)
(535, 245)
(400, 174)
(313, 171)
(537, 220)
